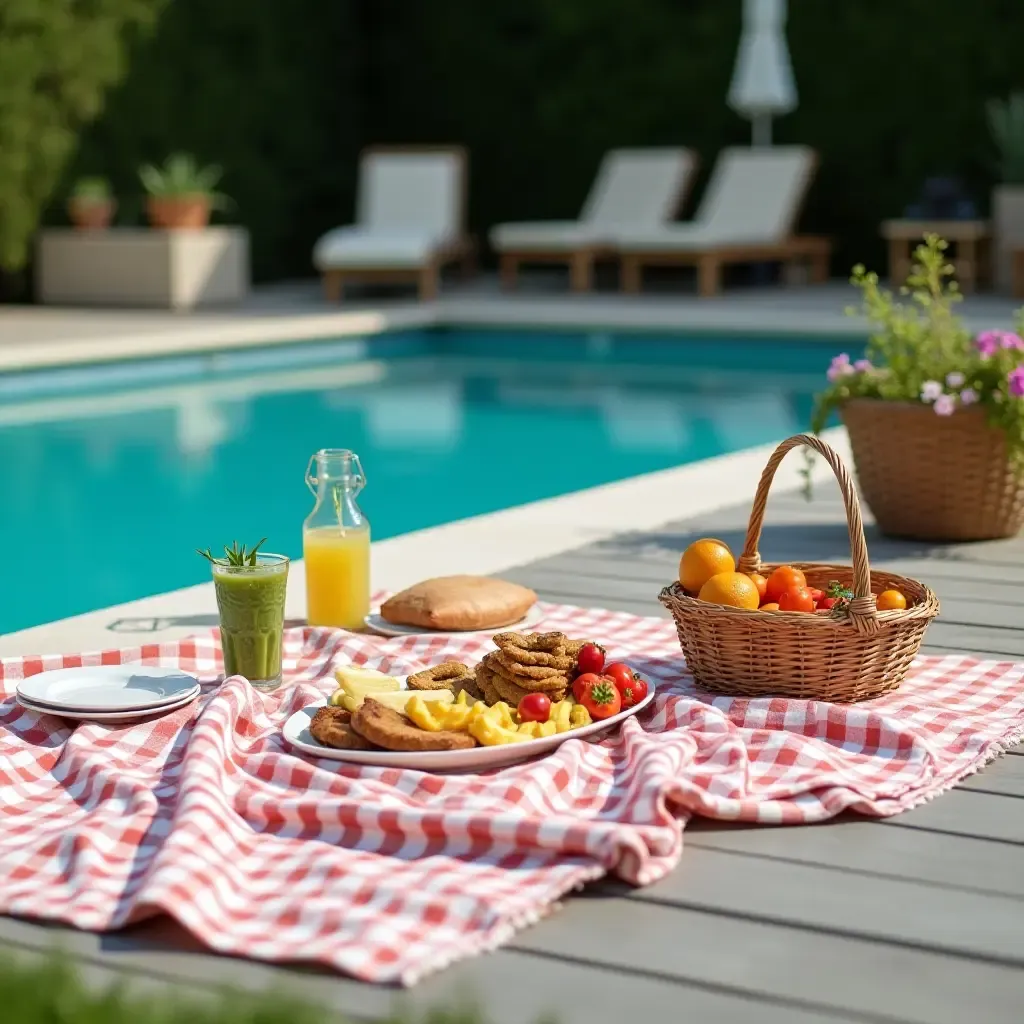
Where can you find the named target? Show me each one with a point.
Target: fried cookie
(332, 727)
(513, 693)
(558, 659)
(509, 663)
(440, 677)
(391, 730)
(548, 684)
(485, 683)
(530, 641)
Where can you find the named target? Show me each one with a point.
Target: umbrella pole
(761, 130)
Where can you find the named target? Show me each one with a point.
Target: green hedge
(284, 95)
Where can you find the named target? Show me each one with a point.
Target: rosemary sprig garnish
(235, 557)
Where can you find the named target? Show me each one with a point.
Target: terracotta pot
(91, 214)
(186, 212)
(931, 477)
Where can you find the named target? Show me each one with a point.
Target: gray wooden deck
(918, 918)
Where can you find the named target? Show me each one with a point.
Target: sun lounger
(747, 214)
(639, 188)
(410, 221)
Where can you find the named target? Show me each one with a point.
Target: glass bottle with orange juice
(336, 542)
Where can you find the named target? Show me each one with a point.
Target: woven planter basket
(929, 477)
(747, 653)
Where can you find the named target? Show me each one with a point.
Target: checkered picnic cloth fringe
(206, 814)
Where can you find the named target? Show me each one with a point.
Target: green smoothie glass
(250, 598)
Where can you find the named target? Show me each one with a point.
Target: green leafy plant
(1006, 123)
(92, 190)
(181, 177)
(234, 556)
(51, 991)
(920, 352)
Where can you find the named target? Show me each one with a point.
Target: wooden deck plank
(827, 899)
(765, 958)
(856, 844)
(515, 986)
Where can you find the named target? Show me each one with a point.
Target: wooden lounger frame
(796, 250)
(428, 276)
(807, 250)
(579, 259)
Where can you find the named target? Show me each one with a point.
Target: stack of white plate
(108, 693)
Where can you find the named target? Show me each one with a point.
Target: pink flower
(955, 379)
(930, 391)
(1016, 379)
(987, 342)
(945, 405)
(1010, 340)
(863, 366)
(839, 367)
(968, 396)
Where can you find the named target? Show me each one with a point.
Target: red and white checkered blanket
(205, 814)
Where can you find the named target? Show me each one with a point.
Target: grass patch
(52, 992)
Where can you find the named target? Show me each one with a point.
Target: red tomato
(627, 682)
(827, 603)
(620, 672)
(796, 599)
(591, 658)
(534, 707)
(602, 699)
(581, 683)
(817, 596)
(782, 579)
(634, 692)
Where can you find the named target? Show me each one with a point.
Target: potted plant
(91, 204)
(181, 194)
(1006, 123)
(935, 416)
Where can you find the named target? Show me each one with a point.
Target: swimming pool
(114, 475)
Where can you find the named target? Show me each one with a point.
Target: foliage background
(285, 94)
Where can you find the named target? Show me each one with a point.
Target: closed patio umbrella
(762, 82)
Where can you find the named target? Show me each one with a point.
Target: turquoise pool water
(113, 476)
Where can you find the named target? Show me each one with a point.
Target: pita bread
(459, 603)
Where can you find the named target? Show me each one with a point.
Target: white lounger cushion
(753, 198)
(634, 187)
(408, 206)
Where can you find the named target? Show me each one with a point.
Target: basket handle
(862, 609)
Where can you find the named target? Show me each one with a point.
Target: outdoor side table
(971, 238)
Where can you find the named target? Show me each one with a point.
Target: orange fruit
(888, 600)
(771, 606)
(760, 582)
(796, 599)
(703, 559)
(782, 579)
(735, 589)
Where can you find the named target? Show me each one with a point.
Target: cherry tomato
(633, 692)
(620, 672)
(782, 579)
(591, 658)
(827, 603)
(580, 684)
(534, 707)
(627, 682)
(796, 599)
(602, 699)
(817, 596)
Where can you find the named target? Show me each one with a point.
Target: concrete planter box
(143, 267)
(1007, 231)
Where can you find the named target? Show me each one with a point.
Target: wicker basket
(747, 653)
(937, 478)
